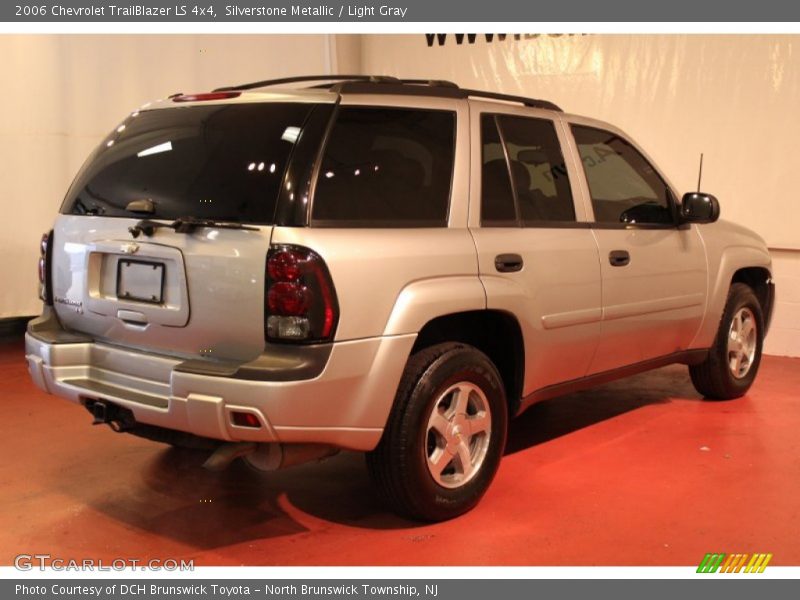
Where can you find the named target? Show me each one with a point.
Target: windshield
(222, 162)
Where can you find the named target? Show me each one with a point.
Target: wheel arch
(735, 263)
(495, 333)
(759, 279)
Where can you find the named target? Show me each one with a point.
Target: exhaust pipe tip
(225, 454)
(273, 457)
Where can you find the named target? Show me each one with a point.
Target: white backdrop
(62, 94)
(735, 98)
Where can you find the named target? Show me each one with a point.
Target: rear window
(221, 162)
(386, 168)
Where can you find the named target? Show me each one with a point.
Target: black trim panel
(687, 357)
(278, 362)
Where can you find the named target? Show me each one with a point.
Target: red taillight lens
(289, 299)
(301, 302)
(205, 96)
(284, 265)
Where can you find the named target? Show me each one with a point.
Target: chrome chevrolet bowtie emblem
(130, 248)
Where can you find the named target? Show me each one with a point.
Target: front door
(653, 271)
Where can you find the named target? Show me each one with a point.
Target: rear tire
(445, 437)
(733, 360)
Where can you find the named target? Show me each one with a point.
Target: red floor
(640, 472)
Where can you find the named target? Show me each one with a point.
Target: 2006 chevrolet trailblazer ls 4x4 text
(391, 266)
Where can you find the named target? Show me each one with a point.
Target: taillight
(45, 253)
(205, 96)
(300, 299)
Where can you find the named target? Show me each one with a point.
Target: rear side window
(386, 167)
(537, 166)
(221, 162)
(624, 186)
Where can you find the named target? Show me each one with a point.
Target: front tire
(733, 360)
(445, 437)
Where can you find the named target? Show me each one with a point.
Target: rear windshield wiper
(183, 225)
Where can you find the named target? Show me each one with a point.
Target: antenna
(700, 174)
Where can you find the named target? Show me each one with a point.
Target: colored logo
(734, 563)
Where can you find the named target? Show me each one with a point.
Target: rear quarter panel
(392, 281)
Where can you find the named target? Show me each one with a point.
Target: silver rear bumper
(346, 405)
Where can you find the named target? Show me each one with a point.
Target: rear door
(537, 256)
(654, 271)
(199, 292)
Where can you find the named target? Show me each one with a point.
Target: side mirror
(697, 207)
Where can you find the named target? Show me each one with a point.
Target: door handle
(132, 317)
(619, 258)
(508, 263)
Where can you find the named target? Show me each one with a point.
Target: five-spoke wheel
(733, 360)
(445, 436)
(458, 434)
(742, 342)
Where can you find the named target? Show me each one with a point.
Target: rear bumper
(345, 405)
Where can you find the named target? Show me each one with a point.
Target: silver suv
(390, 266)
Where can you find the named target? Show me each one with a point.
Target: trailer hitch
(105, 413)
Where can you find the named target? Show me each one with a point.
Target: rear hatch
(197, 291)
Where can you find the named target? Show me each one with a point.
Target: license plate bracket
(140, 281)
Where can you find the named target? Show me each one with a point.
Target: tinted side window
(219, 161)
(386, 168)
(540, 177)
(625, 188)
(497, 198)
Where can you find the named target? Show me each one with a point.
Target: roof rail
(384, 84)
(430, 82)
(532, 102)
(388, 79)
(431, 89)
(305, 78)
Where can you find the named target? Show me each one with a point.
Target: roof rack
(306, 78)
(384, 84)
(433, 89)
(531, 102)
